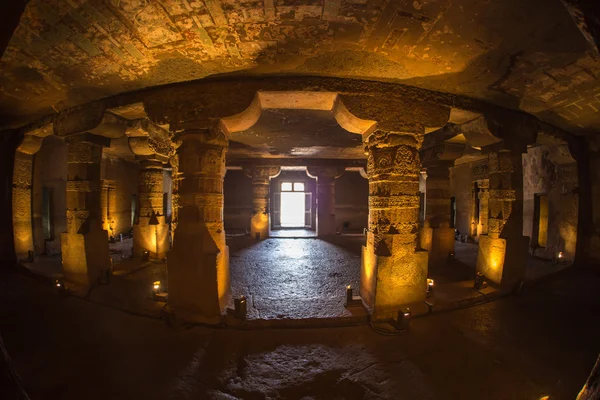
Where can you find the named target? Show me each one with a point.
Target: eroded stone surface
(294, 278)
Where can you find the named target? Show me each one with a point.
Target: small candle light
(156, 286)
(349, 294)
(429, 285)
(240, 307)
(560, 254)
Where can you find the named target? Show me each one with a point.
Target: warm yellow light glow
(560, 254)
(430, 282)
(156, 286)
(349, 287)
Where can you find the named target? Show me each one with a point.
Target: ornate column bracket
(198, 263)
(325, 197)
(260, 175)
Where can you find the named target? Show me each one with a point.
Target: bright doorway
(293, 205)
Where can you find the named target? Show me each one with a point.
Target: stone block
(153, 238)
(392, 283)
(259, 225)
(199, 282)
(85, 257)
(503, 261)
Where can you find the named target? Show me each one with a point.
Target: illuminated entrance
(292, 208)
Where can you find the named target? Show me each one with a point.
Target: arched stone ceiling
(526, 55)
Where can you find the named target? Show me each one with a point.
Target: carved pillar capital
(261, 173)
(149, 141)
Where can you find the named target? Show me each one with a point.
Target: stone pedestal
(503, 252)
(393, 271)
(151, 232)
(85, 255)
(437, 235)
(325, 198)
(261, 175)
(198, 263)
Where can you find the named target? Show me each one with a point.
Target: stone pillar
(325, 198)
(503, 252)
(151, 232)
(437, 235)
(261, 175)
(21, 200)
(84, 246)
(198, 262)
(393, 271)
(108, 200)
(484, 197)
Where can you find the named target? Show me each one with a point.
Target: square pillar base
(503, 261)
(85, 257)
(199, 287)
(259, 226)
(394, 282)
(439, 242)
(151, 238)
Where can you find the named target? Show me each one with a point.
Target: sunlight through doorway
(293, 204)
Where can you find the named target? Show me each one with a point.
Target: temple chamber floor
(519, 347)
(295, 278)
(287, 281)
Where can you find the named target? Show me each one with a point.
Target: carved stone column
(21, 200)
(260, 174)
(393, 271)
(198, 263)
(84, 246)
(325, 198)
(152, 147)
(151, 232)
(108, 198)
(484, 198)
(437, 235)
(503, 251)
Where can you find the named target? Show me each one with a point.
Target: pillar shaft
(85, 254)
(437, 235)
(261, 175)
(325, 198)
(151, 232)
(21, 200)
(484, 198)
(198, 262)
(393, 272)
(503, 251)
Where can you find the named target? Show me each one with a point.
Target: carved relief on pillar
(202, 167)
(505, 187)
(393, 167)
(480, 171)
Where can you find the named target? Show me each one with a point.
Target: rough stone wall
(542, 176)
(461, 183)
(351, 202)
(50, 170)
(237, 189)
(125, 174)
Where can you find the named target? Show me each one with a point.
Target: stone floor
(295, 278)
(543, 342)
(289, 280)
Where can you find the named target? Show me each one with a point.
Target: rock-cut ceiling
(526, 55)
